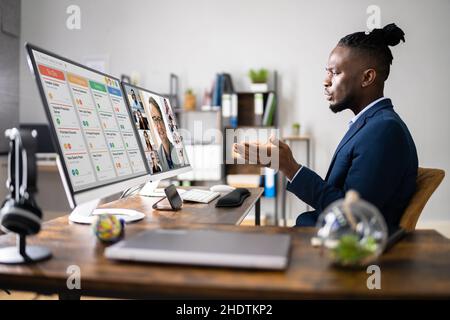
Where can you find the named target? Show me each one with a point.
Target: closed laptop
(205, 247)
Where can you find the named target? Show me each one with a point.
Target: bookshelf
(247, 115)
(251, 115)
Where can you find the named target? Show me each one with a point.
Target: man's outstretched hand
(274, 154)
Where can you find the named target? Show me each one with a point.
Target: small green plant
(258, 76)
(350, 251)
(189, 91)
(296, 129)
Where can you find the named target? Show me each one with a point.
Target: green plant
(258, 76)
(189, 91)
(350, 251)
(296, 125)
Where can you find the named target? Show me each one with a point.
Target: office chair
(427, 182)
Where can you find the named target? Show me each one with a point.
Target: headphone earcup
(21, 217)
(7, 208)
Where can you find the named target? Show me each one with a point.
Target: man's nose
(327, 81)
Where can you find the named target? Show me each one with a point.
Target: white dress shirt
(370, 105)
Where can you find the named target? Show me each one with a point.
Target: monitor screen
(93, 126)
(157, 128)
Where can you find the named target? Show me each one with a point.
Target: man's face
(342, 80)
(157, 119)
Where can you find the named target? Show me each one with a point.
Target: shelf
(198, 111)
(297, 138)
(251, 93)
(250, 127)
(244, 116)
(243, 169)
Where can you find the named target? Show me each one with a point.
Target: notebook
(205, 247)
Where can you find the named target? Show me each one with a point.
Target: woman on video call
(166, 150)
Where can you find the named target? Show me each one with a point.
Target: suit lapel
(357, 126)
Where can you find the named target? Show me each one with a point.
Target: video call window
(157, 130)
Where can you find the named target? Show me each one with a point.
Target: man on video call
(377, 156)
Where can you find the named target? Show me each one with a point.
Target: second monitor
(159, 133)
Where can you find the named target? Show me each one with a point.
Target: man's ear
(368, 78)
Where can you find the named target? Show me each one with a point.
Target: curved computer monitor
(158, 131)
(99, 149)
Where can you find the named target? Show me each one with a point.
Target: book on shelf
(224, 87)
(259, 108)
(269, 111)
(269, 183)
(226, 105)
(234, 110)
(217, 90)
(227, 84)
(229, 109)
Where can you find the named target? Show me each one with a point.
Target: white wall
(197, 38)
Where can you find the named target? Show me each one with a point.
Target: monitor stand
(86, 213)
(149, 190)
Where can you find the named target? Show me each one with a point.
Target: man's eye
(332, 72)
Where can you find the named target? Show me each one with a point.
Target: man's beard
(342, 105)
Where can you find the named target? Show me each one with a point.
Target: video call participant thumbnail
(166, 151)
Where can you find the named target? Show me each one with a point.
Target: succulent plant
(258, 76)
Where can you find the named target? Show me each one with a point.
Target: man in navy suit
(377, 156)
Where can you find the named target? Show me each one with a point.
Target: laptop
(206, 248)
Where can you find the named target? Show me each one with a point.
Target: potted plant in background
(296, 129)
(189, 100)
(258, 80)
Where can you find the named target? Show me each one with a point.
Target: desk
(417, 267)
(194, 212)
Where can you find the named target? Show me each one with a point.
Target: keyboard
(197, 195)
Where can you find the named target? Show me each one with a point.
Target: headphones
(20, 213)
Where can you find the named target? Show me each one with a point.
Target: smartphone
(172, 201)
(173, 197)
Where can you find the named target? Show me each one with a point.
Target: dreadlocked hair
(376, 45)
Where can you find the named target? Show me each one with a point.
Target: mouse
(222, 188)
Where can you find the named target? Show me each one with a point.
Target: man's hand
(274, 154)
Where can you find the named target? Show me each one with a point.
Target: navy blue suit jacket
(377, 157)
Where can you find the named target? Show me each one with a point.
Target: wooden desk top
(191, 212)
(417, 267)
